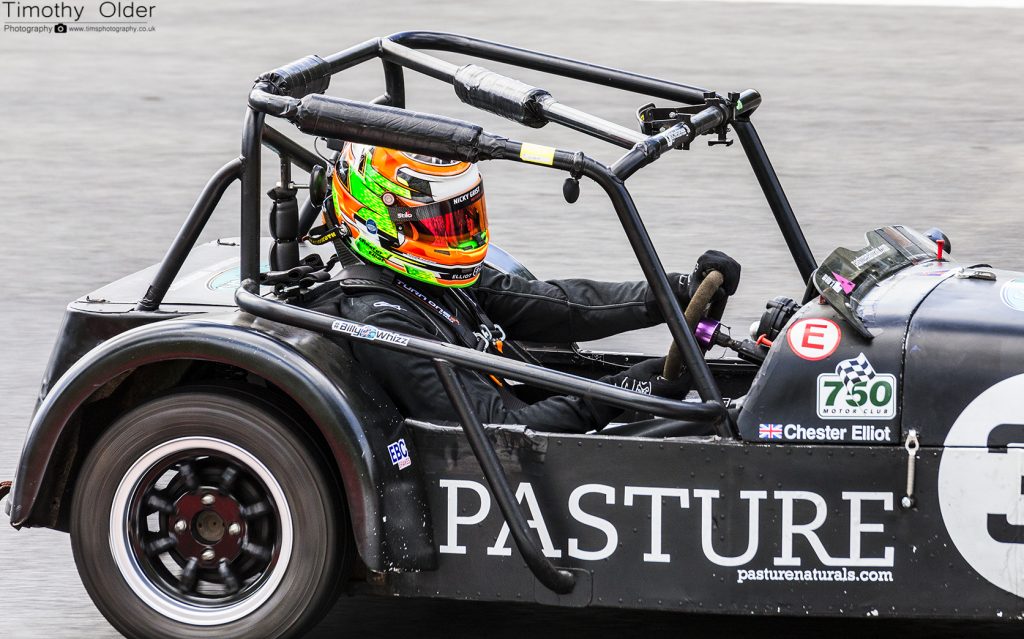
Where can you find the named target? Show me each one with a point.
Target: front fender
(351, 412)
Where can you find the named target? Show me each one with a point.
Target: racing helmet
(421, 216)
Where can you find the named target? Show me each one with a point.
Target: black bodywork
(744, 521)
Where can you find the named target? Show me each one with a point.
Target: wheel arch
(349, 414)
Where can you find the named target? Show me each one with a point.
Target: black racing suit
(554, 311)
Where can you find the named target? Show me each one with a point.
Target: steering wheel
(695, 310)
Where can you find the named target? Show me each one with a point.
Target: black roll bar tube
(510, 98)
(654, 271)
(589, 124)
(776, 196)
(250, 302)
(557, 580)
(544, 62)
(354, 55)
(249, 231)
(394, 85)
(188, 234)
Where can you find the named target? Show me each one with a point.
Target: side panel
(967, 336)
(355, 418)
(965, 393)
(702, 526)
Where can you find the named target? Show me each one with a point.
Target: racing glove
(643, 377)
(685, 286)
(714, 261)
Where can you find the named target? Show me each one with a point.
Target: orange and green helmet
(418, 215)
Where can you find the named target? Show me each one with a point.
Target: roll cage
(294, 92)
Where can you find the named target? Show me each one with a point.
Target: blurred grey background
(872, 114)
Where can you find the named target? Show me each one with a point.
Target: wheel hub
(208, 524)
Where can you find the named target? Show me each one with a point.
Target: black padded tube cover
(304, 76)
(396, 128)
(500, 95)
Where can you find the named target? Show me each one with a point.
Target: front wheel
(207, 514)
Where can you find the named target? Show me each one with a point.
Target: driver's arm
(566, 310)
(414, 385)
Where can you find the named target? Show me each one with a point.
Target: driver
(420, 224)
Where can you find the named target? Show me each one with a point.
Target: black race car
(225, 469)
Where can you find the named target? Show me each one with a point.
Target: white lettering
(587, 519)
(857, 528)
(536, 521)
(452, 487)
(866, 432)
(461, 512)
(707, 498)
(790, 529)
(825, 433)
(656, 495)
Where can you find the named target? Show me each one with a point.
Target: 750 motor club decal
(856, 391)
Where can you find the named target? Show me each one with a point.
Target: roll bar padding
(500, 95)
(364, 123)
(311, 74)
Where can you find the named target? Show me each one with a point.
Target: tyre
(207, 514)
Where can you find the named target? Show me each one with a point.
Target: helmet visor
(458, 223)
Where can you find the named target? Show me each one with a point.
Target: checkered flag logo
(855, 370)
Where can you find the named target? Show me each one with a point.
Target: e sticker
(814, 339)
(537, 154)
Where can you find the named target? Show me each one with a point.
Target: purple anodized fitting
(706, 330)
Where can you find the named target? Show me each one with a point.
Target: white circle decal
(1012, 294)
(980, 484)
(814, 339)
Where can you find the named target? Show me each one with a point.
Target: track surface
(872, 115)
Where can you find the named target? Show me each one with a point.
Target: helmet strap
(335, 233)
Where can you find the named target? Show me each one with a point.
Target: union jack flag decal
(769, 431)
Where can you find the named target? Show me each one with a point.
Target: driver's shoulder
(370, 305)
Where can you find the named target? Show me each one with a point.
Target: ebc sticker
(1012, 294)
(814, 339)
(399, 454)
(856, 391)
(981, 483)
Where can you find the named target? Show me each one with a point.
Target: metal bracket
(654, 119)
(912, 445)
